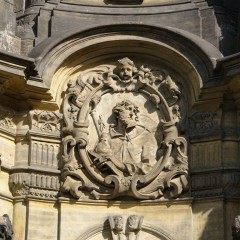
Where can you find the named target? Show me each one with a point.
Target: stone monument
(119, 119)
(121, 130)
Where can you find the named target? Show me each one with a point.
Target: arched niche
(103, 232)
(187, 57)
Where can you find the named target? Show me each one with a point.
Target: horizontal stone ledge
(34, 169)
(6, 197)
(180, 201)
(223, 170)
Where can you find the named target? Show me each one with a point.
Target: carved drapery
(120, 135)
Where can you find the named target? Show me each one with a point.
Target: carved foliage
(204, 122)
(136, 153)
(6, 118)
(19, 184)
(45, 121)
(37, 185)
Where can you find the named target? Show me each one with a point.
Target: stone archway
(147, 232)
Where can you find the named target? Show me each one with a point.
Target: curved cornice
(186, 52)
(175, 38)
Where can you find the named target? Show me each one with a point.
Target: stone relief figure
(125, 147)
(6, 230)
(131, 157)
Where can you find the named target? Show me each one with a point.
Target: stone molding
(7, 119)
(124, 2)
(216, 183)
(45, 122)
(204, 123)
(30, 184)
(145, 227)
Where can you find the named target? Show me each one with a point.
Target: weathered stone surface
(8, 40)
(45, 215)
(112, 109)
(208, 220)
(44, 19)
(127, 105)
(156, 215)
(4, 176)
(20, 219)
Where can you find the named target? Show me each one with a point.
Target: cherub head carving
(126, 69)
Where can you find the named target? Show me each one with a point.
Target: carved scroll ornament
(120, 134)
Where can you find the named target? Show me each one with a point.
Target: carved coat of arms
(120, 134)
